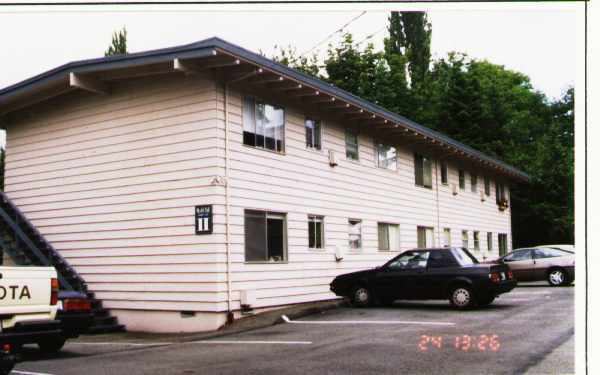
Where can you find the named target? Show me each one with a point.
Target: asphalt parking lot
(517, 334)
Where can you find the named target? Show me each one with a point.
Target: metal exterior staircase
(25, 245)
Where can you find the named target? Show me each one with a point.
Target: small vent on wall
(332, 158)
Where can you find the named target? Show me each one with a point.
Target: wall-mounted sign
(204, 219)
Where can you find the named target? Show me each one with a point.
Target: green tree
(410, 35)
(118, 44)
(289, 56)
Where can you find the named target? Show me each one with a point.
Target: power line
(371, 35)
(335, 32)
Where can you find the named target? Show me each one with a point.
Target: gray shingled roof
(205, 48)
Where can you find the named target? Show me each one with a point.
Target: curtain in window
(249, 121)
(383, 235)
(394, 237)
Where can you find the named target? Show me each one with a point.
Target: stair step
(105, 320)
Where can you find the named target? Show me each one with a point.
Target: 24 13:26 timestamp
(465, 343)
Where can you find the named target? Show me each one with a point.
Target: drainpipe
(227, 190)
(227, 221)
(437, 202)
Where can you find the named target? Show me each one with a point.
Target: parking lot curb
(244, 324)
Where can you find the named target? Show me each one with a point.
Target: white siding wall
(301, 182)
(112, 181)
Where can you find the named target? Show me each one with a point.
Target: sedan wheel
(361, 297)
(556, 277)
(461, 297)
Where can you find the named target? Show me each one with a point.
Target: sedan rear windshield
(463, 256)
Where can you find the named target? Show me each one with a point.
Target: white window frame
(476, 244)
(429, 232)
(267, 214)
(350, 234)
(320, 132)
(379, 147)
(313, 219)
(447, 237)
(465, 237)
(256, 101)
(353, 132)
(393, 245)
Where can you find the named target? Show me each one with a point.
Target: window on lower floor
(354, 234)
(424, 237)
(315, 232)
(386, 156)
(263, 125)
(265, 236)
(476, 240)
(422, 171)
(313, 133)
(351, 144)
(502, 243)
(447, 237)
(465, 239)
(388, 236)
(490, 244)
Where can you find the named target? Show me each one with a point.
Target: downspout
(227, 221)
(230, 316)
(437, 201)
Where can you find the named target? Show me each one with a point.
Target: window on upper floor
(500, 193)
(473, 182)
(486, 184)
(422, 171)
(386, 156)
(444, 172)
(388, 236)
(263, 125)
(265, 236)
(316, 232)
(461, 179)
(313, 133)
(351, 144)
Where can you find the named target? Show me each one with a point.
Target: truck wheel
(52, 345)
(361, 296)
(461, 297)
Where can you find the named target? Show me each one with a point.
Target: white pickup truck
(28, 306)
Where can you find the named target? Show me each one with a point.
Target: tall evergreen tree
(410, 35)
(118, 45)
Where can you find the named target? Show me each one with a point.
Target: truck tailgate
(25, 290)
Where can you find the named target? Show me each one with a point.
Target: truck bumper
(74, 324)
(30, 332)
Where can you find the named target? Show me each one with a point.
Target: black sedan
(425, 274)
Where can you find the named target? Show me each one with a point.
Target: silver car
(541, 263)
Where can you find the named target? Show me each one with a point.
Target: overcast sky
(539, 42)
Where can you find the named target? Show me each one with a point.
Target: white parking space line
(121, 343)
(250, 342)
(17, 372)
(537, 293)
(383, 322)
